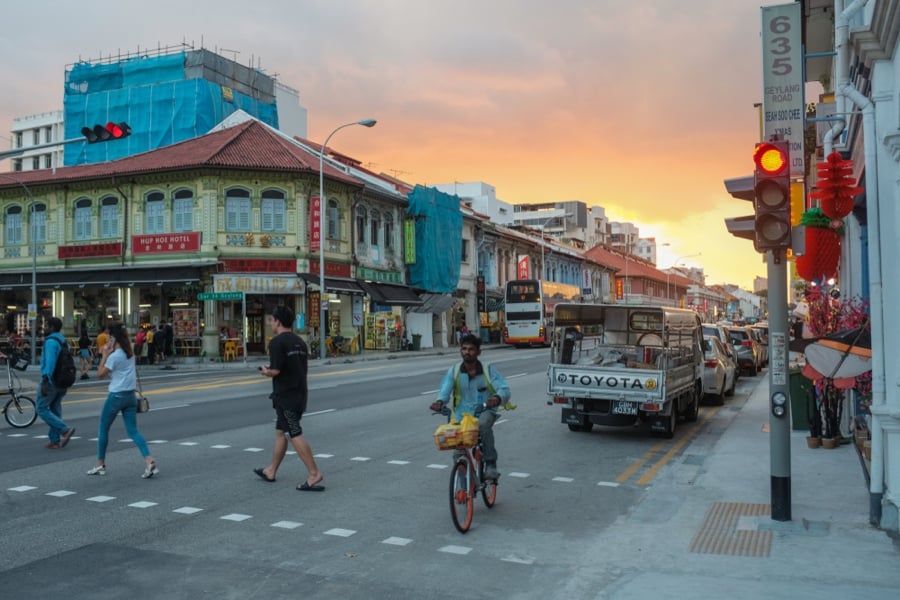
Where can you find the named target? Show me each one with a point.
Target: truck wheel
(690, 414)
(585, 426)
(575, 427)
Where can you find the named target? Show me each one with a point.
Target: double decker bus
(529, 310)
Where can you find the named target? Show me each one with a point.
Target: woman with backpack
(84, 353)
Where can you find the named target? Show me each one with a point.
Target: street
(208, 527)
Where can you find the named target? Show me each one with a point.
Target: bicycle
(19, 411)
(467, 481)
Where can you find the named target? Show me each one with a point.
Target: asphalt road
(208, 527)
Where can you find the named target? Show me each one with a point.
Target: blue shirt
(50, 353)
(473, 392)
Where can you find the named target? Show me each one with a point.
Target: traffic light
(772, 196)
(105, 133)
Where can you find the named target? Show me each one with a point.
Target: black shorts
(288, 420)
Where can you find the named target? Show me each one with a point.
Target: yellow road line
(651, 473)
(631, 470)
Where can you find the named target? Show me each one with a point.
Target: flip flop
(263, 475)
(305, 487)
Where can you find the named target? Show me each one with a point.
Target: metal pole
(322, 208)
(779, 426)
(33, 244)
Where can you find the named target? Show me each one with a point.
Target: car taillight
(712, 364)
(747, 343)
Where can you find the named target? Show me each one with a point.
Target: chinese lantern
(835, 188)
(823, 248)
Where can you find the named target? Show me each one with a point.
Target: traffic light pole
(779, 389)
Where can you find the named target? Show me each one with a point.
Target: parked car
(761, 331)
(718, 371)
(747, 349)
(721, 332)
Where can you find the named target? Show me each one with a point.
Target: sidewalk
(705, 531)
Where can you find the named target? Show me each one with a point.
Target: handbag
(143, 403)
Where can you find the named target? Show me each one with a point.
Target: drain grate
(720, 533)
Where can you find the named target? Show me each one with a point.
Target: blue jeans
(49, 408)
(126, 402)
(486, 432)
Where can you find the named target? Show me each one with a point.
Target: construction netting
(164, 100)
(438, 254)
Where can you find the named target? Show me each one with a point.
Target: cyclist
(478, 390)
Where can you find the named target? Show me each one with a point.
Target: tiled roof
(250, 145)
(637, 267)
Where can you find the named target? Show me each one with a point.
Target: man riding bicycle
(476, 389)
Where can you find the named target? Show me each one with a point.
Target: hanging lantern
(835, 188)
(822, 257)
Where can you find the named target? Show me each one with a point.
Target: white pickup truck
(620, 365)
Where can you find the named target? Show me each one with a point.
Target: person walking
(117, 361)
(477, 389)
(288, 356)
(49, 397)
(84, 353)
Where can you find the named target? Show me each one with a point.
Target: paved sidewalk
(705, 531)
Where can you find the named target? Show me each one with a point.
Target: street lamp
(322, 208)
(675, 266)
(33, 267)
(543, 266)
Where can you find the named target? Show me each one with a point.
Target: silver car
(718, 371)
(720, 331)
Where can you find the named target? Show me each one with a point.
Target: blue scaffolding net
(438, 222)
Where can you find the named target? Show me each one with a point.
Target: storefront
(385, 328)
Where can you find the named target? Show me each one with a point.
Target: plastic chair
(353, 345)
(329, 347)
(230, 351)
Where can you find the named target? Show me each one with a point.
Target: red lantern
(835, 188)
(823, 254)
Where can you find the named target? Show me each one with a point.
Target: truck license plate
(620, 407)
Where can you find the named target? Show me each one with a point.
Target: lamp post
(33, 243)
(543, 266)
(322, 208)
(675, 266)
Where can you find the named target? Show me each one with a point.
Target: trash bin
(417, 341)
(802, 398)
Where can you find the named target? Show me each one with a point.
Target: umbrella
(843, 354)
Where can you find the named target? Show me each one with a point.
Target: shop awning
(391, 295)
(124, 277)
(495, 304)
(434, 303)
(333, 285)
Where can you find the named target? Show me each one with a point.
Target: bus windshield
(529, 309)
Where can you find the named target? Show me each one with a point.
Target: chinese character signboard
(161, 243)
(409, 241)
(523, 267)
(315, 219)
(783, 93)
(89, 250)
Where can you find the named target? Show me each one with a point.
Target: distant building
(760, 284)
(482, 198)
(36, 131)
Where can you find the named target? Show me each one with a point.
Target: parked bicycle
(467, 478)
(19, 410)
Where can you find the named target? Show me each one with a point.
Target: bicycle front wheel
(488, 487)
(20, 412)
(462, 496)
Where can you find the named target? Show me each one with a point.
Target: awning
(121, 277)
(495, 304)
(435, 303)
(391, 295)
(333, 285)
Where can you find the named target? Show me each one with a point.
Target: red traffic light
(104, 133)
(771, 159)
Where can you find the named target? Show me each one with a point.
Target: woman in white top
(117, 361)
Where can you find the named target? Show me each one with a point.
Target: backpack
(64, 371)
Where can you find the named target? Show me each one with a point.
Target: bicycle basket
(453, 436)
(19, 362)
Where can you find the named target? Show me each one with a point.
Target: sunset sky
(640, 106)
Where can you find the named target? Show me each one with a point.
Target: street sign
(220, 296)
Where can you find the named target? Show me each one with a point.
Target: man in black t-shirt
(287, 367)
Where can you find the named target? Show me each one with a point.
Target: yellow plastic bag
(453, 435)
(469, 429)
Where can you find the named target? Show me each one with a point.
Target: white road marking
(101, 498)
(142, 504)
(187, 510)
(158, 442)
(187, 444)
(520, 475)
(436, 466)
(361, 458)
(253, 449)
(612, 484)
(319, 412)
(455, 550)
(563, 479)
(22, 488)
(60, 493)
(324, 455)
(159, 408)
(287, 524)
(520, 560)
(517, 375)
(220, 446)
(396, 541)
(237, 517)
(340, 532)
(398, 462)
(429, 392)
